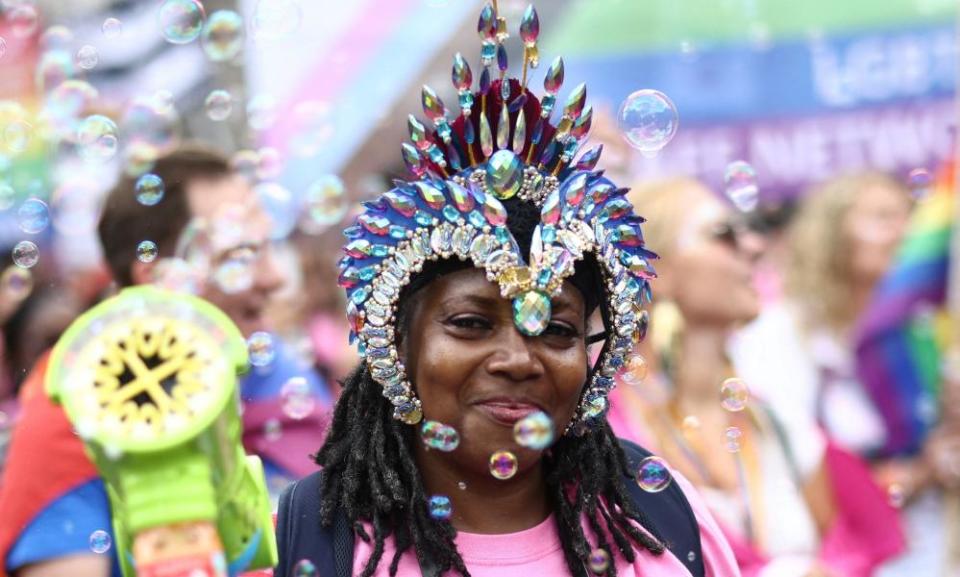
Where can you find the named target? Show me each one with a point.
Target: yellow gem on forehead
(515, 279)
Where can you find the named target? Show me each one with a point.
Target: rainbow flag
(897, 346)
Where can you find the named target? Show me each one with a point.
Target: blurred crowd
(800, 367)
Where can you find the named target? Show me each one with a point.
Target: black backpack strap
(669, 512)
(301, 536)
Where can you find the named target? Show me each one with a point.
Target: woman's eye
(470, 323)
(561, 330)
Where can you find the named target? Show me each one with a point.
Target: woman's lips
(507, 412)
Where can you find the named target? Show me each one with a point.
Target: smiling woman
(473, 438)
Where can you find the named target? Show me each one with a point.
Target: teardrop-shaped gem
(485, 81)
(353, 317)
(461, 197)
(576, 189)
(627, 236)
(503, 128)
(486, 135)
(441, 240)
(461, 75)
(460, 242)
(349, 278)
(418, 133)
(502, 63)
(453, 157)
(430, 195)
(615, 210)
(588, 160)
(549, 153)
(550, 212)
(537, 135)
(494, 211)
(432, 105)
(518, 102)
(554, 78)
(378, 225)
(536, 247)
(504, 174)
(412, 160)
(530, 26)
(576, 101)
(570, 240)
(469, 135)
(520, 132)
(487, 25)
(401, 203)
(359, 248)
(582, 126)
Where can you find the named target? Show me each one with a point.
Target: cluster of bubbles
(440, 507)
(100, 542)
(740, 184)
(296, 398)
(25, 254)
(734, 395)
(599, 561)
(648, 120)
(653, 475)
(920, 182)
(260, 346)
(146, 251)
(503, 465)
(305, 568)
(732, 438)
(535, 431)
(438, 436)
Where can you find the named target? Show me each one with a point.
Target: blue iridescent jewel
(594, 405)
(476, 219)
(395, 390)
(546, 275)
(367, 273)
(380, 250)
(360, 295)
(378, 353)
(353, 232)
(531, 312)
(450, 213)
(548, 234)
(423, 218)
(398, 232)
(603, 382)
(502, 234)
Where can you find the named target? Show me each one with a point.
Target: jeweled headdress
(502, 145)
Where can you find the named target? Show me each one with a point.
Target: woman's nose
(515, 356)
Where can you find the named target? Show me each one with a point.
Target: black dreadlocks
(371, 474)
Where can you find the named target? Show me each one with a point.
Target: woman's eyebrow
(474, 299)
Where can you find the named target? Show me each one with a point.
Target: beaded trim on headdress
(503, 144)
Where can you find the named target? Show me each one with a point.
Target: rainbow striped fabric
(897, 350)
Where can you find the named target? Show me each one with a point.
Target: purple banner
(791, 154)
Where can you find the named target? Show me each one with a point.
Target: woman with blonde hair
(763, 475)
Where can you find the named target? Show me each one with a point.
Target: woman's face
(473, 370)
(711, 269)
(872, 229)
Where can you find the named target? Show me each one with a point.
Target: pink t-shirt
(537, 551)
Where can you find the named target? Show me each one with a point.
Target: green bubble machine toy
(149, 380)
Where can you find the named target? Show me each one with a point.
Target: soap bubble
(235, 274)
(181, 20)
(223, 36)
(23, 20)
(305, 568)
(244, 163)
(648, 120)
(112, 28)
(269, 163)
(151, 125)
(219, 105)
(438, 436)
(325, 204)
(8, 196)
(535, 431)
(503, 465)
(25, 254)
(920, 182)
(65, 106)
(33, 216)
(653, 475)
(297, 399)
(149, 189)
(275, 19)
(56, 37)
(146, 251)
(16, 282)
(16, 136)
(599, 561)
(100, 542)
(732, 437)
(261, 349)
(280, 205)
(734, 395)
(97, 138)
(635, 371)
(87, 57)
(440, 507)
(741, 185)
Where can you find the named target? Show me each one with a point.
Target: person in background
(207, 224)
(766, 476)
(802, 352)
